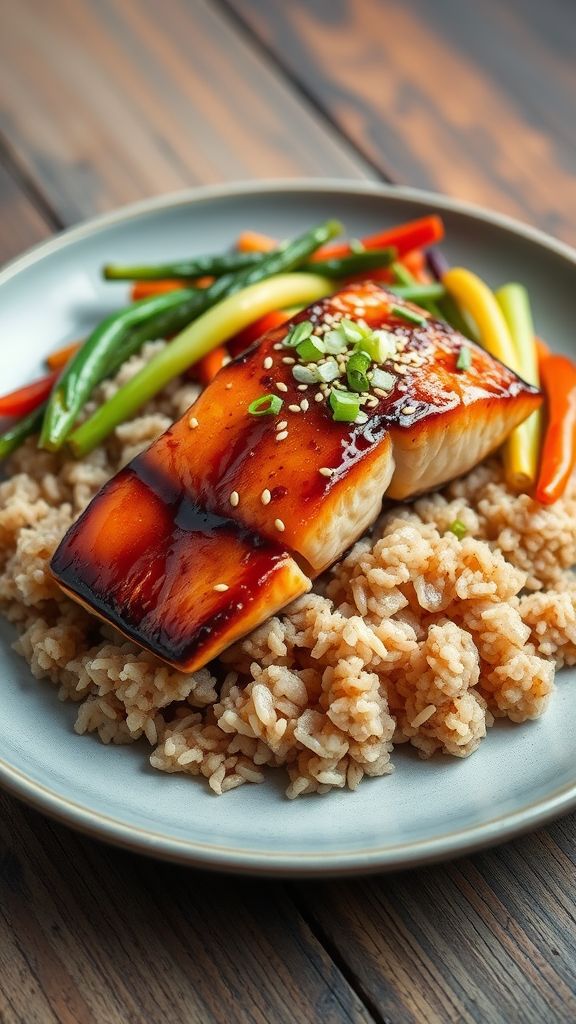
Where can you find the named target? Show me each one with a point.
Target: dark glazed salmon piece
(225, 497)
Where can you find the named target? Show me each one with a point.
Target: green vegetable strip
(12, 438)
(211, 329)
(422, 293)
(515, 304)
(232, 263)
(91, 364)
(450, 311)
(110, 344)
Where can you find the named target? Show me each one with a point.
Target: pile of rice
(414, 637)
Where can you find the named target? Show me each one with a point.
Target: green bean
(422, 293)
(125, 332)
(12, 438)
(216, 266)
(110, 344)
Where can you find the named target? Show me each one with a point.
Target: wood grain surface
(474, 99)
(90, 935)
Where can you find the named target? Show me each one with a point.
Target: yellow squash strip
(476, 299)
(515, 305)
(211, 329)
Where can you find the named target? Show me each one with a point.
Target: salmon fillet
(259, 503)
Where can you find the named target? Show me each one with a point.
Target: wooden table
(105, 102)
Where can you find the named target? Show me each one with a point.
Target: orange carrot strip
(253, 241)
(56, 360)
(558, 378)
(145, 289)
(210, 364)
(24, 400)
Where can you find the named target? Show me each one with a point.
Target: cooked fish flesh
(297, 487)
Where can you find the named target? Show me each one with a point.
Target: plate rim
(283, 863)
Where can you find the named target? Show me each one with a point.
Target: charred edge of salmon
(160, 578)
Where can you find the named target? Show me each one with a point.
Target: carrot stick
(210, 364)
(241, 341)
(24, 400)
(56, 360)
(558, 377)
(254, 241)
(145, 289)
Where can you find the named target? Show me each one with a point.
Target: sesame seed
(325, 471)
(228, 386)
(304, 405)
(221, 587)
(265, 497)
(380, 392)
(192, 422)
(234, 499)
(318, 397)
(372, 403)
(281, 386)
(282, 425)
(288, 360)
(277, 347)
(408, 410)
(294, 408)
(268, 363)
(302, 387)
(279, 525)
(282, 435)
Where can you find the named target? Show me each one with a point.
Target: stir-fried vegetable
(515, 305)
(211, 364)
(474, 296)
(24, 400)
(124, 333)
(213, 328)
(12, 438)
(558, 461)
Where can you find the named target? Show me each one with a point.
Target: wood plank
(90, 935)
(104, 103)
(489, 938)
(22, 224)
(471, 99)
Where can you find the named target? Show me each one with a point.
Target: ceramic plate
(520, 776)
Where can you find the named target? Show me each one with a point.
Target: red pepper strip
(558, 378)
(416, 234)
(24, 400)
(56, 360)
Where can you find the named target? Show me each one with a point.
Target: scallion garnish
(356, 368)
(458, 528)
(355, 245)
(345, 406)
(335, 343)
(266, 405)
(408, 314)
(382, 380)
(352, 331)
(311, 349)
(305, 374)
(380, 345)
(328, 371)
(298, 333)
(464, 361)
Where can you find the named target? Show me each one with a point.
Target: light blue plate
(522, 775)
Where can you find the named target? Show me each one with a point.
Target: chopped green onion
(345, 406)
(356, 245)
(328, 371)
(458, 528)
(305, 374)
(334, 342)
(408, 314)
(381, 379)
(311, 349)
(401, 273)
(352, 331)
(356, 371)
(464, 361)
(266, 405)
(298, 333)
(380, 345)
